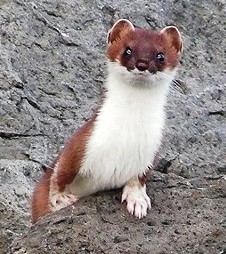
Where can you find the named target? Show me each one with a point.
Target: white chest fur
(127, 133)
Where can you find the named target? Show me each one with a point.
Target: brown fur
(68, 164)
(118, 30)
(167, 41)
(142, 180)
(70, 160)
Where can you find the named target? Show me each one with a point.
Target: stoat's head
(140, 56)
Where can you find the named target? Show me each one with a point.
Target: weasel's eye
(128, 52)
(160, 57)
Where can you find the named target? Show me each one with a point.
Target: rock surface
(52, 71)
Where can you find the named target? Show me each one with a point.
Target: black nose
(142, 65)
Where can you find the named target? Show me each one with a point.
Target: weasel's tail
(40, 200)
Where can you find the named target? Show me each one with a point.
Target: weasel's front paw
(60, 200)
(137, 199)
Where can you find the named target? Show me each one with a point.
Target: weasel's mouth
(141, 74)
(141, 78)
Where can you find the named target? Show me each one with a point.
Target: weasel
(117, 146)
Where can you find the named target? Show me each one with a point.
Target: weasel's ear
(120, 27)
(174, 37)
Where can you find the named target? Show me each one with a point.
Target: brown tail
(40, 199)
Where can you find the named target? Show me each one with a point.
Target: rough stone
(52, 69)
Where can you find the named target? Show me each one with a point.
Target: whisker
(180, 86)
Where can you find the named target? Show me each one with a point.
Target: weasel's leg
(59, 200)
(51, 193)
(63, 175)
(67, 168)
(138, 202)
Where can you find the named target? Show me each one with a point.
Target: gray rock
(52, 69)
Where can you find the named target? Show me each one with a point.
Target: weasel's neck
(122, 92)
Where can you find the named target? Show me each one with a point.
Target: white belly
(125, 139)
(127, 132)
